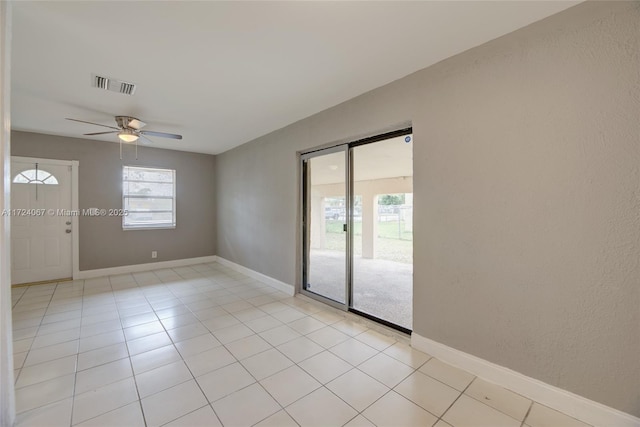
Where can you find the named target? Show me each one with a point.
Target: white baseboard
(564, 401)
(282, 286)
(136, 268)
(125, 269)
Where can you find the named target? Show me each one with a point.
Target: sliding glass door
(358, 227)
(382, 262)
(325, 220)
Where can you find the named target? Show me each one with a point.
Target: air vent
(114, 85)
(101, 82)
(127, 88)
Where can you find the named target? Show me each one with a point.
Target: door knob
(68, 230)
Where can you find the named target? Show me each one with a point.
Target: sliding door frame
(349, 188)
(304, 196)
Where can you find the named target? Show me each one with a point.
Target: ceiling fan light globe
(127, 136)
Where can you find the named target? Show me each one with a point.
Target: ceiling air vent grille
(127, 88)
(101, 82)
(114, 85)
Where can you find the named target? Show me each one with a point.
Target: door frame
(75, 237)
(305, 231)
(349, 187)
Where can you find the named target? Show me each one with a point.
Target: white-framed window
(148, 198)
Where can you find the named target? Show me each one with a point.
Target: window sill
(171, 227)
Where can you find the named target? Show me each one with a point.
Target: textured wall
(526, 193)
(103, 243)
(528, 238)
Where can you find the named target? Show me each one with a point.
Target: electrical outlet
(154, 254)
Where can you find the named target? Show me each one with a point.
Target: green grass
(388, 245)
(386, 229)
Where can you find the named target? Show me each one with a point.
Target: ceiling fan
(129, 129)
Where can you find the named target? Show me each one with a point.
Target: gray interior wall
(526, 193)
(103, 243)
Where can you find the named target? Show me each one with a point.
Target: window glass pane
(148, 219)
(33, 176)
(148, 204)
(149, 197)
(148, 189)
(30, 174)
(140, 174)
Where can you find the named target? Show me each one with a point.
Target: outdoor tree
(391, 199)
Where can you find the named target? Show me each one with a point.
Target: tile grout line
(527, 414)
(31, 345)
(193, 377)
(75, 373)
(280, 352)
(391, 389)
(306, 315)
(257, 382)
(168, 296)
(135, 382)
(454, 402)
(104, 385)
(106, 363)
(494, 408)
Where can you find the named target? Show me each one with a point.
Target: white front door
(40, 221)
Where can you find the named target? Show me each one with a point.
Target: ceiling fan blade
(148, 140)
(161, 134)
(91, 123)
(101, 133)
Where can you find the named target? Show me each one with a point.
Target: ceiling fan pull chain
(136, 149)
(120, 150)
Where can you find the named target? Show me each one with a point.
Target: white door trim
(7, 394)
(75, 237)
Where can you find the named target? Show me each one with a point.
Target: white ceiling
(224, 73)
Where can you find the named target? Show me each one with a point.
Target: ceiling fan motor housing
(127, 122)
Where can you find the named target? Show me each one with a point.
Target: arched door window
(35, 176)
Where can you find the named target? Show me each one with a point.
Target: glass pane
(148, 219)
(21, 179)
(33, 176)
(148, 196)
(148, 204)
(326, 216)
(148, 189)
(383, 230)
(30, 174)
(50, 180)
(146, 174)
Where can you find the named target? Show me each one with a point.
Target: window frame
(154, 226)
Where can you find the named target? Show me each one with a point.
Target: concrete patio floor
(381, 288)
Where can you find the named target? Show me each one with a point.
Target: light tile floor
(207, 346)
